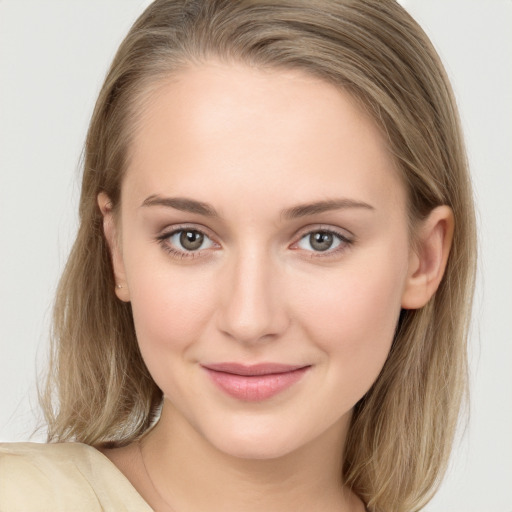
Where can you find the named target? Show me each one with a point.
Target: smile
(256, 382)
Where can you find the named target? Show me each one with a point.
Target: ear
(428, 257)
(111, 236)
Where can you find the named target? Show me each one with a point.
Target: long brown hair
(99, 390)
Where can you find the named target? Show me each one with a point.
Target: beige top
(63, 477)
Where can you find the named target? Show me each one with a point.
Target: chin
(251, 442)
(277, 443)
(256, 449)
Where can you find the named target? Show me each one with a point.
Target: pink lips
(255, 382)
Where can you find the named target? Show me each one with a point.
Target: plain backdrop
(53, 58)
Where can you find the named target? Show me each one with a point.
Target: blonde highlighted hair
(99, 390)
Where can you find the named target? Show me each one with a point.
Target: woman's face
(262, 223)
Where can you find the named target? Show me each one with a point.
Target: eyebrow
(302, 210)
(182, 203)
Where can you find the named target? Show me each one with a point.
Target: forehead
(261, 130)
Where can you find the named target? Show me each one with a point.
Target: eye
(185, 242)
(322, 241)
(190, 240)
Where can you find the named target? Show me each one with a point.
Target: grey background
(53, 57)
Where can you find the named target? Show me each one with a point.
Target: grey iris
(191, 240)
(321, 240)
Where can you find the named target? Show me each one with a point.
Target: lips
(253, 383)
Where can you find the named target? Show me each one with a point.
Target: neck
(190, 474)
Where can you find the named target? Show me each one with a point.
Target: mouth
(254, 383)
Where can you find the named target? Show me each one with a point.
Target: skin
(253, 143)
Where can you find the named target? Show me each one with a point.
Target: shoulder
(62, 477)
(37, 454)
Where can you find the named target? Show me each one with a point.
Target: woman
(266, 306)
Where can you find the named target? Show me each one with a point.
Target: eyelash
(163, 241)
(344, 242)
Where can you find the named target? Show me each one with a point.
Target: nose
(253, 307)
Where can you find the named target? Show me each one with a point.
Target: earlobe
(110, 232)
(428, 258)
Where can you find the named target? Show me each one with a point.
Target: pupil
(191, 240)
(321, 241)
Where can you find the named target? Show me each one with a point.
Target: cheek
(353, 318)
(170, 308)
